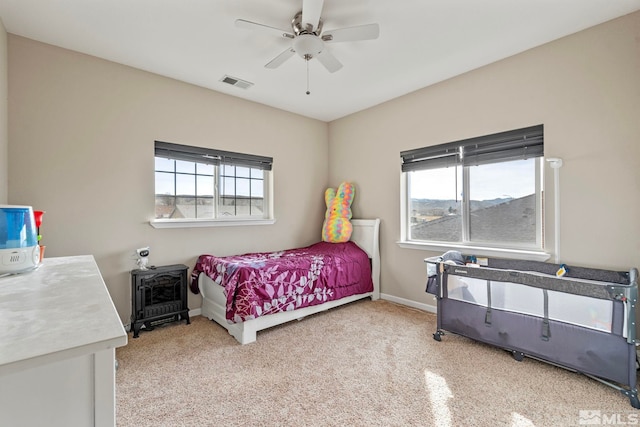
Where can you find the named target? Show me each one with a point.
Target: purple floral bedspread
(264, 283)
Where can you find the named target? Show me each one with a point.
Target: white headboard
(366, 234)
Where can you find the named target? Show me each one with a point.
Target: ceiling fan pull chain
(308, 93)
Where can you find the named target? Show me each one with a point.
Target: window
(193, 183)
(482, 192)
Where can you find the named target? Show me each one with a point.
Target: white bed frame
(365, 235)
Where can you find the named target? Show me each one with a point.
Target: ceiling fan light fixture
(307, 38)
(307, 45)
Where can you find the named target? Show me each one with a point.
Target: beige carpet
(365, 364)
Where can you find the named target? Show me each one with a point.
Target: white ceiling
(421, 42)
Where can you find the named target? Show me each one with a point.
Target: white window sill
(478, 250)
(191, 223)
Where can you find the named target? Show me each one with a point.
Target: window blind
(210, 156)
(516, 144)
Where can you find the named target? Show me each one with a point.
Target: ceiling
(421, 42)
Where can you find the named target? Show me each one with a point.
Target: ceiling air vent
(242, 84)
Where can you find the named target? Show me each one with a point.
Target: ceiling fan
(308, 40)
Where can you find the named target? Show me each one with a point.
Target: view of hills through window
(496, 220)
(502, 204)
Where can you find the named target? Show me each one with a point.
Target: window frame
(446, 155)
(218, 159)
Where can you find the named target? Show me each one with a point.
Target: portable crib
(583, 321)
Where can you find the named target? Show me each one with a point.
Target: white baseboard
(409, 303)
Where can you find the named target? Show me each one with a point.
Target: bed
(582, 319)
(331, 273)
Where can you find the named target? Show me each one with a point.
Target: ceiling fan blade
(280, 59)
(329, 61)
(241, 23)
(311, 10)
(352, 34)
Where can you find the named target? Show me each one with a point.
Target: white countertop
(60, 310)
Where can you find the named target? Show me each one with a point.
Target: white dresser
(58, 333)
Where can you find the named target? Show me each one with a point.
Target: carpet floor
(369, 363)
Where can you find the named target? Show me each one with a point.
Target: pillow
(337, 228)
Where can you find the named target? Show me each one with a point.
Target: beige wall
(82, 132)
(584, 88)
(4, 128)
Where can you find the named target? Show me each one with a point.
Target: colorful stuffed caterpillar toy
(337, 228)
